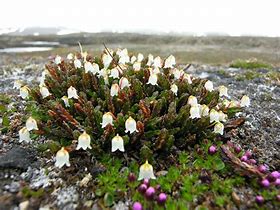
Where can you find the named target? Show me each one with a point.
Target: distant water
(24, 49)
(36, 43)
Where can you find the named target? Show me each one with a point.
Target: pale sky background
(234, 17)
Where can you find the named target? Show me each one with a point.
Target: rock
(23, 205)
(17, 158)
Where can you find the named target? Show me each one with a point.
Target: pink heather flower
(262, 168)
(248, 154)
(162, 197)
(142, 188)
(237, 149)
(278, 197)
(244, 158)
(265, 183)
(277, 182)
(259, 199)
(158, 187)
(150, 192)
(252, 161)
(137, 206)
(212, 150)
(146, 182)
(275, 174)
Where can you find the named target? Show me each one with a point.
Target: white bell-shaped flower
(88, 67)
(133, 59)
(57, 59)
(214, 116)
(124, 83)
(31, 124)
(245, 101)
(115, 73)
(44, 91)
(17, 84)
(77, 63)
(84, 141)
(24, 92)
(204, 110)
(140, 57)
(117, 143)
(177, 73)
(209, 86)
(103, 73)
(72, 92)
(155, 70)
(174, 89)
(146, 171)
(106, 59)
(62, 158)
(70, 56)
(124, 59)
(24, 135)
(157, 62)
(130, 125)
(170, 62)
(195, 111)
(150, 60)
(188, 78)
(107, 119)
(114, 90)
(223, 91)
(153, 79)
(219, 128)
(222, 116)
(137, 66)
(192, 100)
(66, 101)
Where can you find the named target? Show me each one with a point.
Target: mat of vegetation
(231, 171)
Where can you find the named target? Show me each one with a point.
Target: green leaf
(108, 199)
(218, 164)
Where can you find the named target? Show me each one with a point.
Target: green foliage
(250, 64)
(27, 192)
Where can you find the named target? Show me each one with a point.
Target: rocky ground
(23, 171)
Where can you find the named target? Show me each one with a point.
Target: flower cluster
(122, 103)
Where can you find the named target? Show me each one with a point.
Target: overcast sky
(234, 17)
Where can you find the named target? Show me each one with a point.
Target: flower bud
(244, 158)
(162, 197)
(265, 183)
(212, 150)
(259, 199)
(150, 192)
(237, 149)
(137, 206)
(131, 177)
(262, 168)
(142, 188)
(146, 182)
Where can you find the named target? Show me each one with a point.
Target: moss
(250, 64)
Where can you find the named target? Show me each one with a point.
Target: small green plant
(250, 64)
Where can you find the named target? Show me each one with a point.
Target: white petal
(62, 158)
(146, 171)
(195, 112)
(124, 83)
(72, 93)
(107, 119)
(44, 91)
(245, 101)
(77, 63)
(153, 79)
(209, 86)
(24, 92)
(24, 135)
(192, 100)
(31, 124)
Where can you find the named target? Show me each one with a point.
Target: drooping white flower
(122, 52)
(44, 91)
(140, 57)
(114, 90)
(117, 143)
(150, 60)
(223, 91)
(222, 116)
(24, 92)
(146, 171)
(43, 77)
(137, 66)
(233, 104)
(107, 119)
(124, 83)
(103, 73)
(88, 67)
(130, 125)
(66, 101)
(219, 128)
(133, 59)
(188, 78)
(106, 59)
(31, 124)
(84, 141)
(170, 62)
(153, 79)
(72, 92)
(157, 62)
(17, 84)
(62, 158)
(124, 59)
(245, 101)
(77, 63)
(174, 89)
(204, 110)
(155, 70)
(115, 73)
(57, 60)
(214, 116)
(192, 100)
(209, 86)
(24, 135)
(70, 56)
(195, 111)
